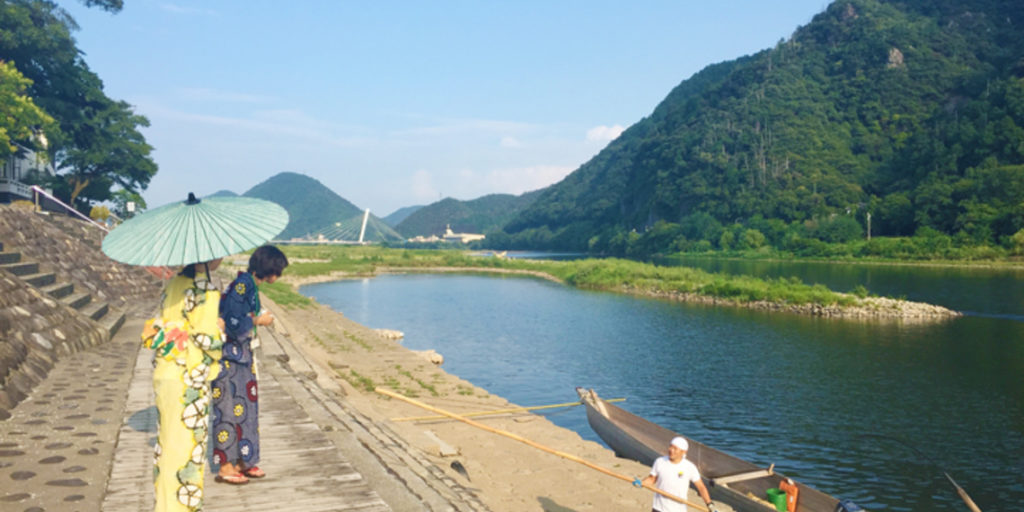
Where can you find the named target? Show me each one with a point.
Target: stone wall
(35, 331)
(71, 249)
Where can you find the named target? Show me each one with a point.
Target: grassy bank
(593, 274)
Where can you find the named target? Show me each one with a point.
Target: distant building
(16, 168)
(420, 239)
(449, 236)
(460, 237)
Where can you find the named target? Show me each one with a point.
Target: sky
(399, 103)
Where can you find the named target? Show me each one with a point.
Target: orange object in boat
(792, 492)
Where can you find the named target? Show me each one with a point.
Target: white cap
(680, 442)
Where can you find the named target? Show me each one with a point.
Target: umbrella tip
(192, 199)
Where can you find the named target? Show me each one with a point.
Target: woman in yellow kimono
(186, 339)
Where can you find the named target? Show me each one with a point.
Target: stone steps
(29, 272)
(21, 268)
(40, 279)
(59, 290)
(77, 300)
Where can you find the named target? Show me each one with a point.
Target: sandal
(236, 479)
(254, 472)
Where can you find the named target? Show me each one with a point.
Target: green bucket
(777, 497)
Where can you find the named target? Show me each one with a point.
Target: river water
(874, 412)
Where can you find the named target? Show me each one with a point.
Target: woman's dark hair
(190, 270)
(267, 261)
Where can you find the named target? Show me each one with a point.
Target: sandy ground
(506, 474)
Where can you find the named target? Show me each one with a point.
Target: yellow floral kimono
(187, 341)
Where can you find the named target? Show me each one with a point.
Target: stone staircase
(30, 272)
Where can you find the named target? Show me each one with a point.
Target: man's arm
(703, 491)
(649, 481)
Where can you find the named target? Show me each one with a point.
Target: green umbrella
(195, 230)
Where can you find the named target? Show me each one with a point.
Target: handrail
(68, 208)
(162, 272)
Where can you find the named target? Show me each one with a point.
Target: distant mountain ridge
(314, 209)
(400, 214)
(911, 111)
(482, 215)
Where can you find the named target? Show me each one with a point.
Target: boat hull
(730, 480)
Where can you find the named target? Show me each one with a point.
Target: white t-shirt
(674, 479)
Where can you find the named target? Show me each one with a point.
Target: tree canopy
(97, 148)
(22, 119)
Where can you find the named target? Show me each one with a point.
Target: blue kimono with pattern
(235, 397)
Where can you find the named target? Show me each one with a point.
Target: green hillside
(482, 215)
(315, 209)
(910, 111)
(400, 214)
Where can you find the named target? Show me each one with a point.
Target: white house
(16, 168)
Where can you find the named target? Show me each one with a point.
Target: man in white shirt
(674, 474)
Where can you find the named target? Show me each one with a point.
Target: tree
(98, 144)
(110, 151)
(21, 119)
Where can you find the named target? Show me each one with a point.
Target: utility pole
(869, 225)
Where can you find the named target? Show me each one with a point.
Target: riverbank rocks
(390, 334)
(868, 308)
(431, 355)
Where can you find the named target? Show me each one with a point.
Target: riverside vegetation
(314, 263)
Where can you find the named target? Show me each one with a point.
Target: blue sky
(398, 103)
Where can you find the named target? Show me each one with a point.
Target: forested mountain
(400, 214)
(910, 111)
(317, 210)
(481, 215)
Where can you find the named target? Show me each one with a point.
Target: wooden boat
(730, 480)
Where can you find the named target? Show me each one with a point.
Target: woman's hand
(264, 319)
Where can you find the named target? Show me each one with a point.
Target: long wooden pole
(392, 394)
(963, 494)
(502, 411)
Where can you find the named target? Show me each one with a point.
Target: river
(874, 412)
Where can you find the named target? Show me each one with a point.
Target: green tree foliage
(911, 111)
(21, 118)
(98, 145)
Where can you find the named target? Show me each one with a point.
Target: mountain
(910, 111)
(482, 215)
(400, 214)
(223, 193)
(316, 210)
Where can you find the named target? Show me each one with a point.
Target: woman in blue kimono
(236, 442)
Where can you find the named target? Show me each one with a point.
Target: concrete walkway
(83, 442)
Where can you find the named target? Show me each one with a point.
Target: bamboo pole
(501, 411)
(963, 494)
(392, 394)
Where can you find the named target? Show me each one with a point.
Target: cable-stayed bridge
(358, 229)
